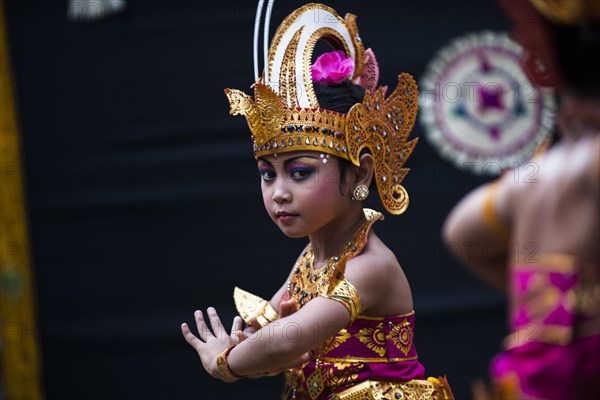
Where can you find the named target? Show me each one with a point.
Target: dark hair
(578, 55)
(343, 166)
(338, 97)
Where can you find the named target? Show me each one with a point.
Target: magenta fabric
(552, 353)
(552, 372)
(542, 298)
(386, 340)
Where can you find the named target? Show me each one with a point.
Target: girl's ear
(364, 173)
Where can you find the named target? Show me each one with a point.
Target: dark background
(144, 197)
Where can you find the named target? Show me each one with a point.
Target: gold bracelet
(270, 312)
(267, 315)
(223, 367)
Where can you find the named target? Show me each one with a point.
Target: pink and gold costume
(372, 356)
(370, 349)
(553, 352)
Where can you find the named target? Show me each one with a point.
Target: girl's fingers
(298, 362)
(189, 337)
(203, 330)
(304, 358)
(236, 328)
(237, 324)
(286, 308)
(215, 323)
(253, 324)
(240, 336)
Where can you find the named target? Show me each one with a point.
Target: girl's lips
(285, 216)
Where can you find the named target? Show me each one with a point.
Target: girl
(342, 323)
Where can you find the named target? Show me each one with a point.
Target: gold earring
(360, 193)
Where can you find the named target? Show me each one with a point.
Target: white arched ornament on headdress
(289, 57)
(257, 19)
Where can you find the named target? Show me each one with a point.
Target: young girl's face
(302, 194)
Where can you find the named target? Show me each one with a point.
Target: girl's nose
(281, 194)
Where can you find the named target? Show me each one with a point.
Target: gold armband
(249, 305)
(223, 367)
(345, 293)
(489, 212)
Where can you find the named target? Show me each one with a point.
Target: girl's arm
(277, 346)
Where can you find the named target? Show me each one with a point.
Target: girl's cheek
(265, 195)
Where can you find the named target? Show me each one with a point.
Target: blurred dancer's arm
(477, 231)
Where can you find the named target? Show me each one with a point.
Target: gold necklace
(307, 283)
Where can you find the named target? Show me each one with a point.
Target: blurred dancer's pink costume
(553, 351)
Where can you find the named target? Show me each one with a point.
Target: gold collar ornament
(285, 115)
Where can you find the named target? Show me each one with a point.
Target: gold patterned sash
(415, 389)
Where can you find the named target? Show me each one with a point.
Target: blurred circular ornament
(478, 107)
(94, 10)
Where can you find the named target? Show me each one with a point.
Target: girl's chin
(293, 236)
(292, 231)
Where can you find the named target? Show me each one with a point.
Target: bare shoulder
(526, 175)
(576, 161)
(375, 268)
(534, 175)
(380, 281)
(376, 257)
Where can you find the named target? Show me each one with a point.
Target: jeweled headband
(285, 114)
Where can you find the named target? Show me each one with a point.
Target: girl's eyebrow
(262, 160)
(288, 161)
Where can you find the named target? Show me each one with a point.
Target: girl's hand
(287, 306)
(210, 344)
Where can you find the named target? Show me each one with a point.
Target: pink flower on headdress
(332, 67)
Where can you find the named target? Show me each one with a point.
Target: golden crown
(569, 12)
(285, 115)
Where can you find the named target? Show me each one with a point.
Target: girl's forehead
(281, 158)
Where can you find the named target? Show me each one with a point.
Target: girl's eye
(301, 173)
(267, 175)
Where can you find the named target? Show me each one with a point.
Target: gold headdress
(285, 115)
(569, 12)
